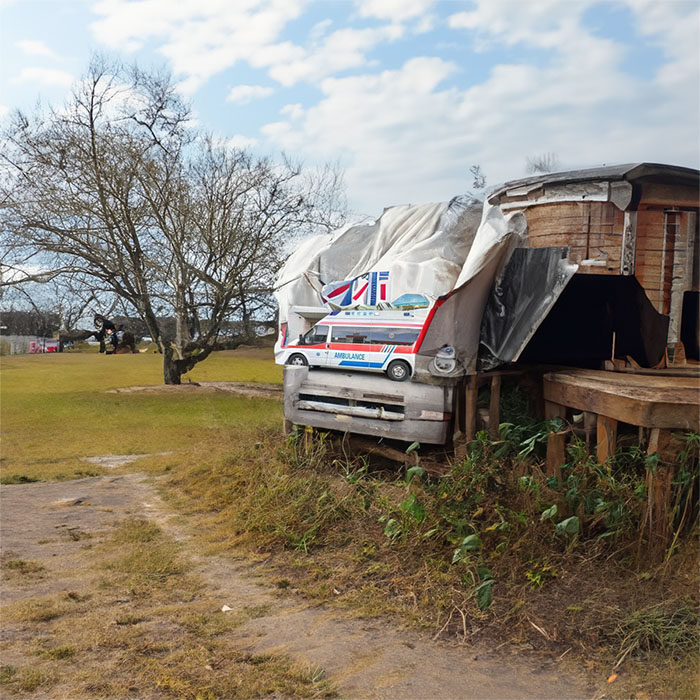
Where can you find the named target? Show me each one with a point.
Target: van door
(315, 344)
(349, 347)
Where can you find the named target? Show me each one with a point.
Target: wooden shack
(625, 221)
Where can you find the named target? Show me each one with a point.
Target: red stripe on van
(427, 323)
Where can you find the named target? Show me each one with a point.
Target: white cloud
(395, 10)
(243, 94)
(200, 37)
(295, 111)
(240, 141)
(340, 50)
(204, 37)
(674, 27)
(34, 48)
(52, 77)
(407, 135)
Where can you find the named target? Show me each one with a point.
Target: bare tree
(121, 191)
(544, 163)
(479, 182)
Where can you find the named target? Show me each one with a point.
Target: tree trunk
(172, 369)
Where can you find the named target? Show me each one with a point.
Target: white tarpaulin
(423, 248)
(428, 249)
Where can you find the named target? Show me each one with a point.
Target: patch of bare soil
(253, 390)
(52, 527)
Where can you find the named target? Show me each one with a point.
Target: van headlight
(445, 361)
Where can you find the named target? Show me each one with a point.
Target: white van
(365, 340)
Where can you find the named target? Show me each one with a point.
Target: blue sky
(405, 94)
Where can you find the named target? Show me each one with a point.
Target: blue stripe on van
(354, 363)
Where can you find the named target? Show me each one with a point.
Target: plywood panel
(591, 230)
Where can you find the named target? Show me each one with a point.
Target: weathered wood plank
(470, 397)
(494, 409)
(606, 438)
(556, 453)
(649, 401)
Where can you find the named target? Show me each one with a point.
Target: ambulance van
(365, 340)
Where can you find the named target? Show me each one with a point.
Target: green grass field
(56, 409)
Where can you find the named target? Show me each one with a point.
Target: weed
(57, 653)
(657, 628)
(17, 479)
(23, 567)
(7, 673)
(29, 679)
(129, 619)
(149, 560)
(37, 609)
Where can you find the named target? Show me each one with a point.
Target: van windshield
(316, 336)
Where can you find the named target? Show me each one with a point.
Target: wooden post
(589, 423)
(606, 433)
(554, 410)
(556, 453)
(494, 409)
(470, 396)
(659, 489)
(459, 443)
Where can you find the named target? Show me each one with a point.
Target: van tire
(398, 371)
(297, 359)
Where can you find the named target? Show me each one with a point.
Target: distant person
(105, 329)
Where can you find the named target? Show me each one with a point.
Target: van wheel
(297, 359)
(398, 371)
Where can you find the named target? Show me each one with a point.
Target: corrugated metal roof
(629, 171)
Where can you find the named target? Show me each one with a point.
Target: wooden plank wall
(593, 230)
(661, 255)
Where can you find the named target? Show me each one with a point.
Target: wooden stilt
(494, 407)
(606, 433)
(659, 488)
(554, 410)
(556, 453)
(470, 396)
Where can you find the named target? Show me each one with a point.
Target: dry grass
(164, 636)
(320, 526)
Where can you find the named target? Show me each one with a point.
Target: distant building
(27, 344)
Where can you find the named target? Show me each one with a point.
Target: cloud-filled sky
(405, 94)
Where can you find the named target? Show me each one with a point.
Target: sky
(405, 95)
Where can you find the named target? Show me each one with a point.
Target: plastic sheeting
(520, 301)
(450, 252)
(423, 247)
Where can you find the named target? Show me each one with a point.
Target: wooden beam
(606, 430)
(494, 407)
(556, 453)
(659, 489)
(470, 397)
(651, 401)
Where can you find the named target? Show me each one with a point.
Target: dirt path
(56, 524)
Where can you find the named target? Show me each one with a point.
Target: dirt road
(56, 526)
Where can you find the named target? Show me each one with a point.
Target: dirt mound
(253, 390)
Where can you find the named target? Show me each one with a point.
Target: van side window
(316, 335)
(394, 336)
(350, 334)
